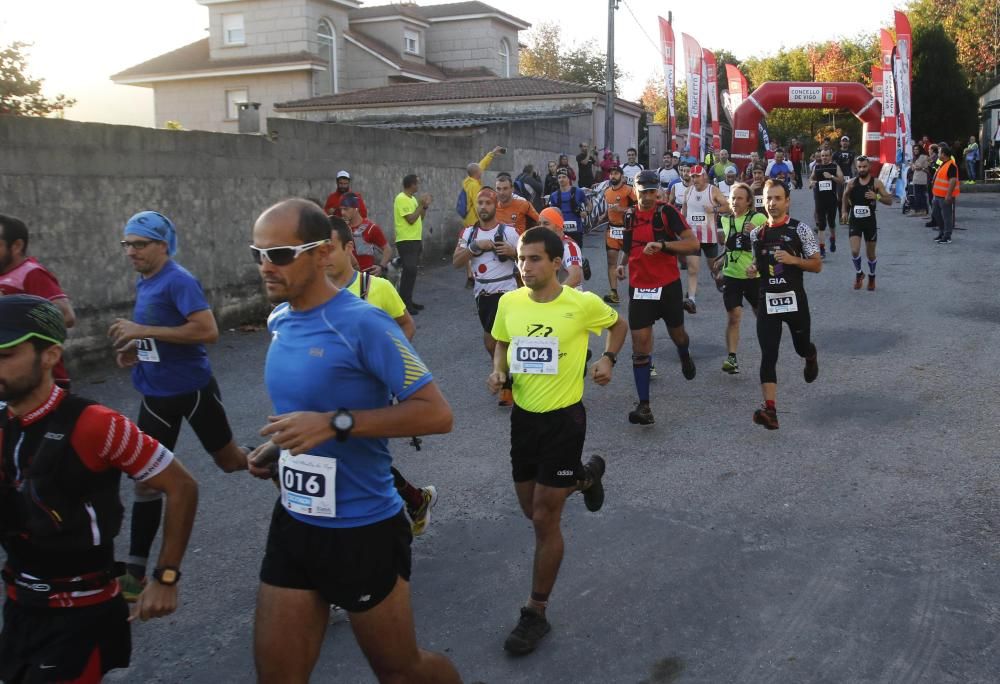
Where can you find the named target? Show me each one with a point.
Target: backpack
(574, 204)
(462, 204)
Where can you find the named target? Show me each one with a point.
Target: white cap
(676, 154)
(343, 174)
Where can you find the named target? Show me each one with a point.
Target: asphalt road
(856, 544)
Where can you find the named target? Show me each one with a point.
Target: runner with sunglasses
(164, 344)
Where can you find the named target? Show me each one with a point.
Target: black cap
(647, 180)
(23, 317)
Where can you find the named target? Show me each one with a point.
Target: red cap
(697, 170)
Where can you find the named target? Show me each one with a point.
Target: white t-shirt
(492, 275)
(667, 175)
(630, 171)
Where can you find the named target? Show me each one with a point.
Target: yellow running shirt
(548, 373)
(381, 294)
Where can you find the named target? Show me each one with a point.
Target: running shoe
(612, 298)
(944, 241)
(822, 251)
(593, 496)
(766, 417)
(418, 307)
(833, 245)
(731, 365)
(421, 518)
(641, 415)
(687, 367)
(131, 586)
(871, 283)
(811, 369)
(859, 280)
(652, 371)
(506, 398)
(689, 306)
(529, 631)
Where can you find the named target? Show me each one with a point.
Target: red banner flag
(904, 60)
(712, 89)
(888, 148)
(693, 66)
(667, 50)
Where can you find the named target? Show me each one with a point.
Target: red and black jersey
(663, 222)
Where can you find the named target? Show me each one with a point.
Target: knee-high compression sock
(871, 266)
(857, 263)
(413, 497)
(146, 515)
(641, 374)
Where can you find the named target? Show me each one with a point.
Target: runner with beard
(618, 197)
(860, 196)
(826, 181)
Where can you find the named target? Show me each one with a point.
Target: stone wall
(75, 184)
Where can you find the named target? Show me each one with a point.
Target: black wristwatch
(342, 424)
(612, 356)
(663, 245)
(167, 575)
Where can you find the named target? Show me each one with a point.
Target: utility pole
(609, 100)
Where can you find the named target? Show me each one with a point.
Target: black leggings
(769, 336)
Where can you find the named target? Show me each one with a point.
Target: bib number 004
(534, 355)
(308, 484)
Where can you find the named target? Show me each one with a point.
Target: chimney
(249, 117)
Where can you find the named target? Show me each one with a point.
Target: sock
(691, 297)
(857, 263)
(732, 357)
(871, 267)
(641, 374)
(146, 516)
(769, 405)
(682, 351)
(413, 497)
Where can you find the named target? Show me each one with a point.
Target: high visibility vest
(940, 188)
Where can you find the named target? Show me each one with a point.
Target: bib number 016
(304, 483)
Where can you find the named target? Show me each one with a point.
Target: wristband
(611, 356)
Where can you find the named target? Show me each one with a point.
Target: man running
(491, 248)
(571, 268)
(858, 211)
(64, 618)
(826, 180)
(164, 345)
(844, 158)
(655, 235)
(702, 202)
(631, 168)
(734, 262)
(618, 198)
(783, 249)
(572, 202)
(367, 237)
(514, 210)
(757, 181)
(542, 331)
(338, 533)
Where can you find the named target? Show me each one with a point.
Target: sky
(78, 44)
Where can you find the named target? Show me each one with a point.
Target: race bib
(862, 211)
(758, 201)
(534, 355)
(616, 232)
(145, 349)
(651, 293)
(308, 484)
(569, 226)
(698, 219)
(825, 186)
(781, 302)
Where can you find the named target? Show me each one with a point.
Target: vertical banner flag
(712, 90)
(692, 63)
(738, 87)
(667, 48)
(706, 138)
(888, 149)
(904, 59)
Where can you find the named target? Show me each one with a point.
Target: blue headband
(155, 226)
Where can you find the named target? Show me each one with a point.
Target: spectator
(795, 153)
(21, 274)
(607, 164)
(631, 168)
(564, 164)
(473, 183)
(972, 158)
(332, 206)
(551, 182)
(529, 186)
(920, 163)
(367, 236)
(513, 210)
(571, 201)
(408, 213)
(585, 161)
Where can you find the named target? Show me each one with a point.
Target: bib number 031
(534, 355)
(308, 484)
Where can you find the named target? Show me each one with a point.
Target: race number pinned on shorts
(534, 355)
(308, 484)
(616, 232)
(781, 302)
(145, 349)
(862, 211)
(569, 226)
(650, 293)
(825, 186)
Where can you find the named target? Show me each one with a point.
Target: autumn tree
(20, 94)
(546, 57)
(973, 26)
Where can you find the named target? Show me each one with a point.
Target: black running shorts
(826, 216)
(710, 250)
(868, 231)
(546, 447)
(56, 644)
(352, 567)
(486, 305)
(161, 417)
(643, 313)
(738, 289)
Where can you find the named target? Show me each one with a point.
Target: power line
(652, 42)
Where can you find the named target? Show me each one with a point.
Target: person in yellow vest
(471, 185)
(945, 190)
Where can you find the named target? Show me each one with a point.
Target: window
(233, 99)
(232, 30)
(411, 42)
(505, 58)
(326, 36)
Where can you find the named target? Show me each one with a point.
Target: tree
(20, 94)
(544, 57)
(944, 106)
(973, 25)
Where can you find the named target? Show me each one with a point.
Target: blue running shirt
(344, 353)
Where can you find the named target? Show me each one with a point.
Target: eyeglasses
(137, 245)
(282, 256)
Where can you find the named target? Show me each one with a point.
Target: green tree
(545, 57)
(973, 25)
(20, 94)
(944, 106)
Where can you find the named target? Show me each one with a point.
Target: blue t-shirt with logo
(564, 202)
(167, 299)
(344, 353)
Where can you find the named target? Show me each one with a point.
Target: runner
(757, 186)
(572, 202)
(368, 238)
(165, 347)
(733, 263)
(515, 210)
(844, 158)
(618, 197)
(571, 268)
(862, 192)
(542, 331)
(64, 618)
(655, 235)
(332, 369)
(783, 249)
(678, 187)
(779, 168)
(825, 181)
(727, 181)
(631, 167)
(668, 171)
(702, 202)
(491, 248)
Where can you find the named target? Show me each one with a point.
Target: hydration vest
(775, 276)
